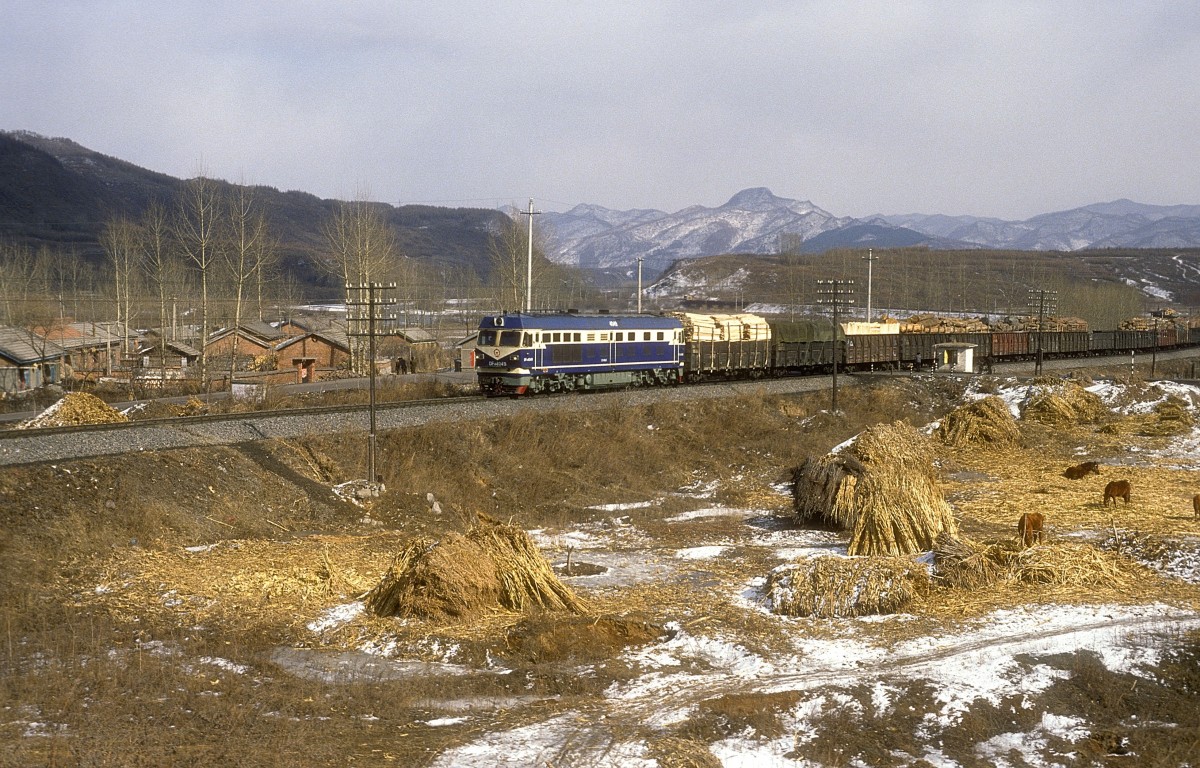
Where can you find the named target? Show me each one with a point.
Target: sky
(1005, 109)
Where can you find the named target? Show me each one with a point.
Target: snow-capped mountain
(757, 221)
(752, 221)
(1118, 224)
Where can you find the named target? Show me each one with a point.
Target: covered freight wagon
(803, 345)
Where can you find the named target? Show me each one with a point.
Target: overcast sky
(986, 108)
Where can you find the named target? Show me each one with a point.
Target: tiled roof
(23, 347)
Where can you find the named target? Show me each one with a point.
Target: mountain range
(757, 221)
(56, 192)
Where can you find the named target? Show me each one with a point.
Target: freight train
(530, 353)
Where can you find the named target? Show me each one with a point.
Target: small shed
(954, 356)
(464, 353)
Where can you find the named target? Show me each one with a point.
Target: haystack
(883, 488)
(1064, 402)
(1172, 417)
(1068, 564)
(73, 409)
(966, 564)
(983, 422)
(495, 565)
(842, 587)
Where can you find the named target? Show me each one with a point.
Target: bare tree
(266, 257)
(361, 241)
(160, 267)
(197, 235)
(243, 252)
(120, 240)
(363, 246)
(508, 250)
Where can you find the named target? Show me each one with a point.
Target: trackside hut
(91, 349)
(414, 350)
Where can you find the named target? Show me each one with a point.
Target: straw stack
(73, 409)
(1172, 417)
(966, 564)
(1064, 402)
(842, 587)
(495, 565)
(960, 562)
(983, 422)
(883, 488)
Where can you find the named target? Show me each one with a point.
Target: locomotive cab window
(493, 338)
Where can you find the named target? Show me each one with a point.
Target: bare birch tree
(160, 267)
(119, 238)
(363, 246)
(246, 234)
(197, 235)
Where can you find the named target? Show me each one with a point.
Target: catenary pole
(529, 260)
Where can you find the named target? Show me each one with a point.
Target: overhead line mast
(529, 262)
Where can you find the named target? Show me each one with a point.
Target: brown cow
(1079, 471)
(1117, 489)
(1196, 504)
(1029, 528)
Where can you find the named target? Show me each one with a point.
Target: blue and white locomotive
(528, 353)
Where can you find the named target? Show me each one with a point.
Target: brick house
(313, 353)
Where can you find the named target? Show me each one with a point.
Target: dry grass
(108, 614)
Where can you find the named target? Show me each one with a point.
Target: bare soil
(173, 608)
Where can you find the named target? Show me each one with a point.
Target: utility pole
(1154, 349)
(870, 259)
(362, 314)
(1043, 302)
(529, 262)
(835, 293)
(640, 259)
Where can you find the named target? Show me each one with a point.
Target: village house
(28, 361)
(254, 340)
(92, 350)
(314, 353)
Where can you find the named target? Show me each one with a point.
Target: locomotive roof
(578, 322)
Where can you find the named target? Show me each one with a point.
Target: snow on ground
(991, 659)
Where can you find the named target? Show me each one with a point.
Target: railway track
(32, 446)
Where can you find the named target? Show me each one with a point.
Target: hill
(56, 192)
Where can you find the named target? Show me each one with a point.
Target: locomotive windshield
(497, 338)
